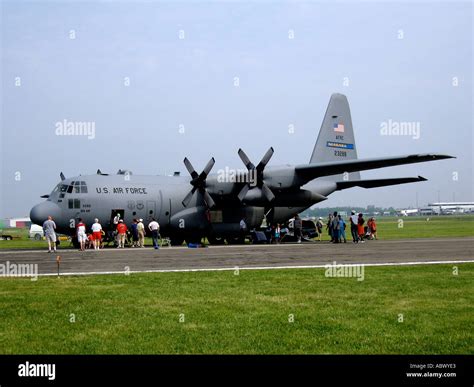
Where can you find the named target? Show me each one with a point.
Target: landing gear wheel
(216, 240)
(176, 241)
(194, 240)
(235, 240)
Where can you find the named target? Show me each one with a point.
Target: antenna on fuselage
(61, 175)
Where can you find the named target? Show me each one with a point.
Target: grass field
(388, 228)
(220, 312)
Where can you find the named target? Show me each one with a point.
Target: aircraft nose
(40, 212)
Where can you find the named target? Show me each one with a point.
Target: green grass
(246, 313)
(388, 228)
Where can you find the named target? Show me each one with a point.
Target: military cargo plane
(212, 205)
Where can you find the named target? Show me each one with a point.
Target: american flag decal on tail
(339, 128)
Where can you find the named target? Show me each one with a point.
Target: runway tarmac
(318, 254)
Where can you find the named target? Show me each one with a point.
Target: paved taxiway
(406, 251)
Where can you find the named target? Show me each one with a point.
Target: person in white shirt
(81, 234)
(154, 227)
(96, 233)
(353, 219)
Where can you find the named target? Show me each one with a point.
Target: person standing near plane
(298, 227)
(133, 229)
(154, 227)
(96, 234)
(360, 227)
(319, 226)
(342, 229)
(122, 233)
(354, 232)
(114, 227)
(141, 233)
(335, 228)
(49, 229)
(329, 227)
(277, 233)
(81, 234)
(243, 230)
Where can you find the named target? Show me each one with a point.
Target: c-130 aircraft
(212, 205)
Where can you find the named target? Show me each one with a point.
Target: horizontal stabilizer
(312, 171)
(373, 183)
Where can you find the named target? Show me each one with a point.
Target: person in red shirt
(122, 232)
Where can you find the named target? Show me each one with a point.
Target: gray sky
(394, 61)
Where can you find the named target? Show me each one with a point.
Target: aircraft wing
(373, 183)
(312, 171)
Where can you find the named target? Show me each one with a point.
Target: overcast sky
(232, 75)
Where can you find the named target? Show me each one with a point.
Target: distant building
(447, 208)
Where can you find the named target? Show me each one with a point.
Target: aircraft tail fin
(336, 140)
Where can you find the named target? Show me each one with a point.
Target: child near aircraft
(372, 228)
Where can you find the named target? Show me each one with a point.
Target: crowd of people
(134, 235)
(360, 230)
(93, 238)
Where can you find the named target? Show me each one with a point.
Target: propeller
(258, 174)
(99, 172)
(199, 183)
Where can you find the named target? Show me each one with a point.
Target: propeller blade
(245, 159)
(188, 197)
(208, 199)
(44, 196)
(61, 175)
(243, 192)
(207, 168)
(265, 159)
(267, 192)
(190, 168)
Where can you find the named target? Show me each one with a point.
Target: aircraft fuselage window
(80, 187)
(74, 203)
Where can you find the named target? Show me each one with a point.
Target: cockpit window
(63, 188)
